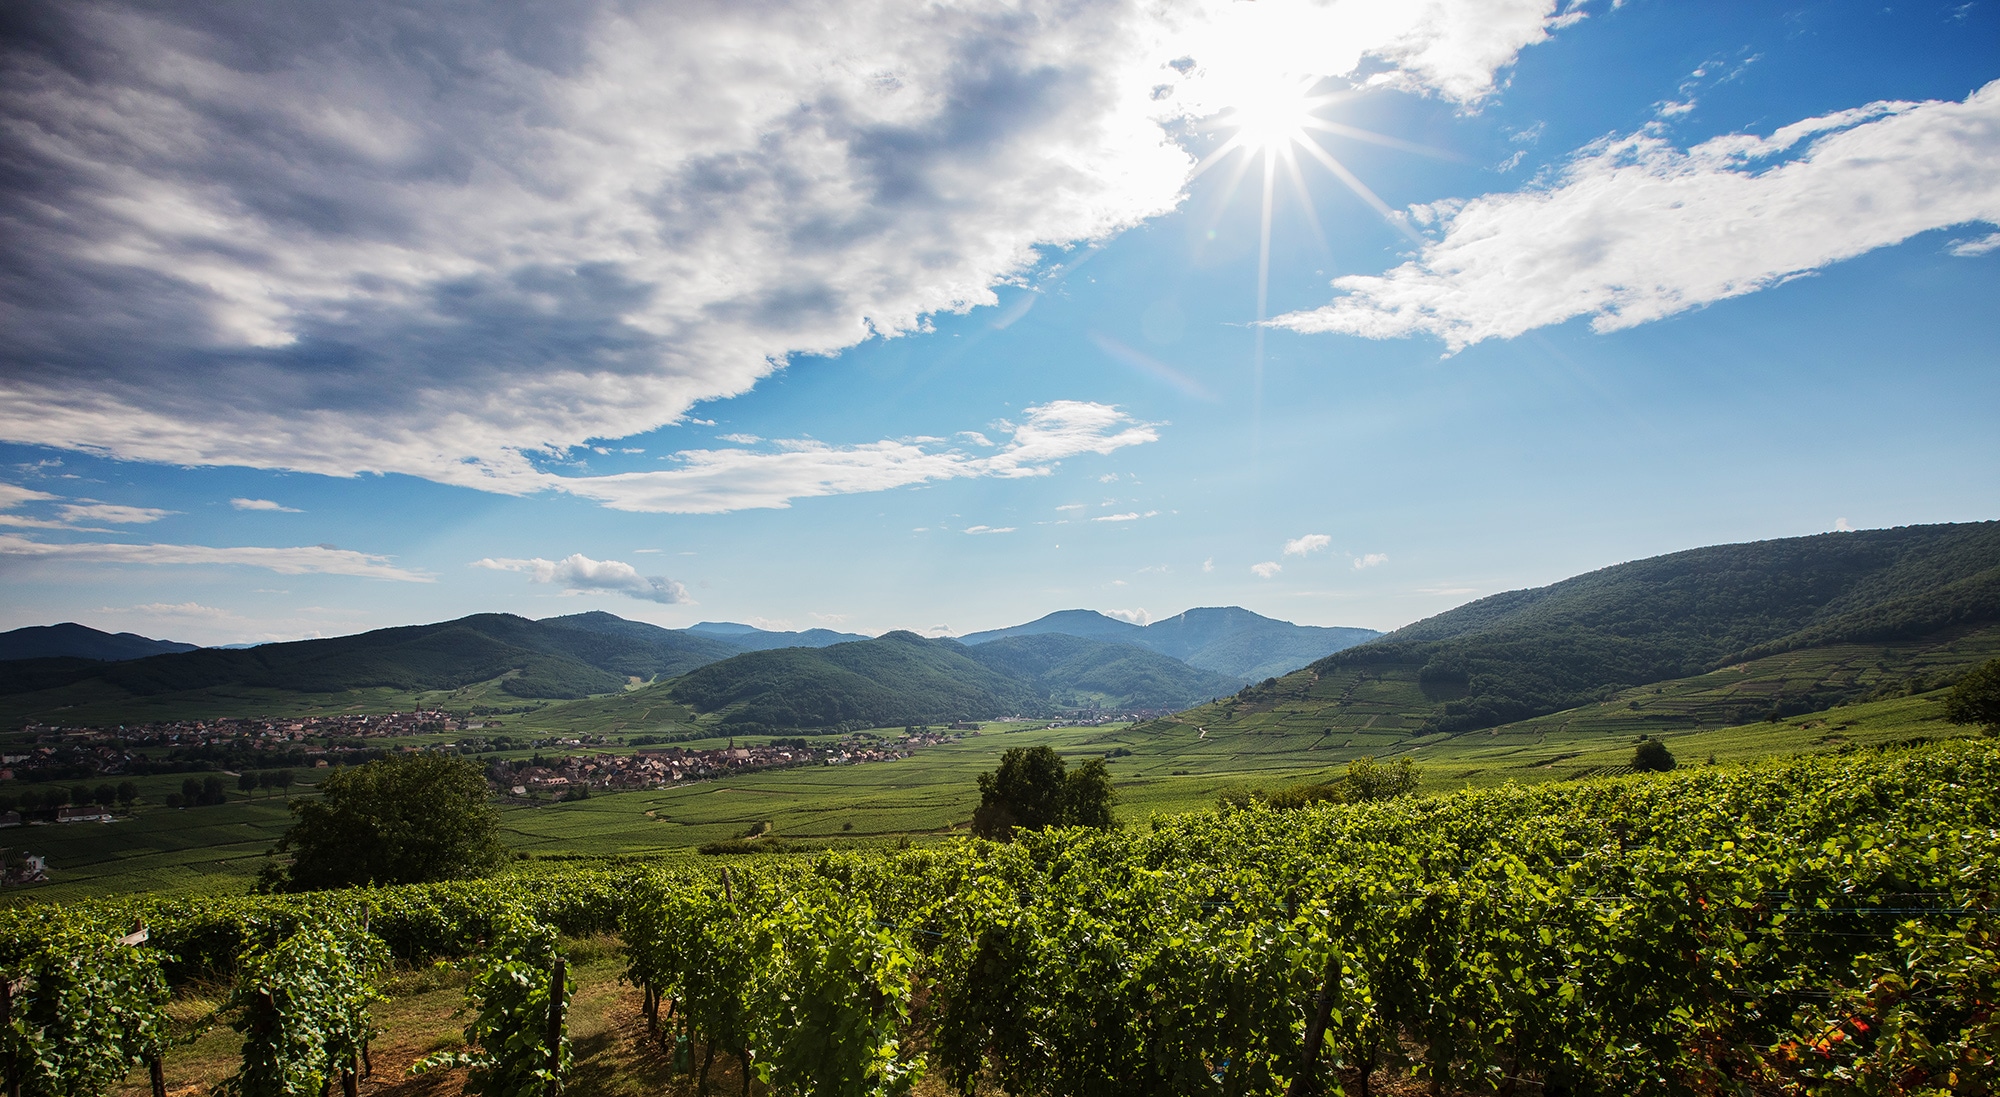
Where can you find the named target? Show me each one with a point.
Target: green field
(1171, 767)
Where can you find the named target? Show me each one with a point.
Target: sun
(1271, 115)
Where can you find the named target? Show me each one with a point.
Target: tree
(246, 782)
(1976, 698)
(128, 792)
(1652, 756)
(1032, 789)
(399, 820)
(214, 791)
(283, 779)
(1368, 779)
(104, 796)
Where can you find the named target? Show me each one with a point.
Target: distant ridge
(1225, 640)
(70, 640)
(751, 638)
(903, 678)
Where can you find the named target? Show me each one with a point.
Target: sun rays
(1271, 122)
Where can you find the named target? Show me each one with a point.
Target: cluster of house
(654, 767)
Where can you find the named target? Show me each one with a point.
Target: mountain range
(1228, 641)
(597, 653)
(903, 678)
(70, 640)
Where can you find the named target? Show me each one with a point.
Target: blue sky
(864, 316)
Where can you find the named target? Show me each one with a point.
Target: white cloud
(1208, 565)
(608, 213)
(830, 618)
(1268, 569)
(1635, 229)
(1130, 616)
(1373, 559)
(1967, 249)
(1128, 516)
(1310, 543)
(263, 504)
(13, 495)
(301, 560)
(112, 512)
(1840, 525)
(740, 439)
(717, 480)
(989, 529)
(579, 574)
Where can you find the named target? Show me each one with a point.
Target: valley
(1727, 655)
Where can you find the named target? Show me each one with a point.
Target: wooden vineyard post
(558, 983)
(1302, 1083)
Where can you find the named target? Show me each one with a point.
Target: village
(570, 776)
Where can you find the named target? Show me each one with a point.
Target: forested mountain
(1230, 641)
(1529, 652)
(1070, 671)
(903, 678)
(70, 640)
(897, 678)
(539, 658)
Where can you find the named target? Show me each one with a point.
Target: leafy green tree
(1652, 756)
(104, 796)
(1368, 779)
(1976, 698)
(128, 793)
(1032, 789)
(246, 783)
(399, 820)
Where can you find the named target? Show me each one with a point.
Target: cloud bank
(455, 241)
(579, 574)
(1635, 230)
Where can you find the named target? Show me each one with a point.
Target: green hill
(1076, 673)
(902, 678)
(534, 659)
(1698, 639)
(70, 640)
(1526, 653)
(897, 678)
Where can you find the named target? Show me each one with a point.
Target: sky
(322, 317)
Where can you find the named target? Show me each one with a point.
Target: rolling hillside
(1229, 641)
(534, 659)
(902, 678)
(70, 640)
(1699, 639)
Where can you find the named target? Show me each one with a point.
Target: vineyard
(1813, 926)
